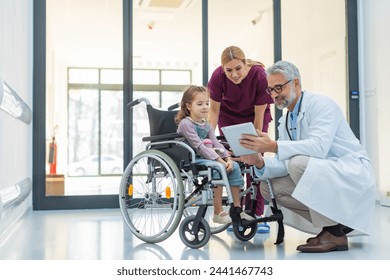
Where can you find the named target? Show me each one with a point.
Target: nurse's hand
(261, 143)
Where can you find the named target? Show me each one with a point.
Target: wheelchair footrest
(276, 217)
(273, 218)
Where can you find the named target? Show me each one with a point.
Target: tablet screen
(233, 135)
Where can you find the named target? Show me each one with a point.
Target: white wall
(374, 78)
(16, 33)
(313, 37)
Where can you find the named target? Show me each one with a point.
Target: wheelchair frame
(156, 191)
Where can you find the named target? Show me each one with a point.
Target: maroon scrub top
(238, 100)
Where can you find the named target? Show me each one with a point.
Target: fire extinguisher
(53, 154)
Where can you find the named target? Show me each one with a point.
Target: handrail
(13, 104)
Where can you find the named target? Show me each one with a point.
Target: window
(95, 115)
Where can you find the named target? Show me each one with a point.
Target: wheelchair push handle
(138, 101)
(174, 106)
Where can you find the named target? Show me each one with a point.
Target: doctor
(320, 175)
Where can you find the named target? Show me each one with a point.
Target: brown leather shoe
(345, 229)
(325, 242)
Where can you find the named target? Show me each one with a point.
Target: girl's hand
(229, 165)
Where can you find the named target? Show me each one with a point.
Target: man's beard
(287, 101)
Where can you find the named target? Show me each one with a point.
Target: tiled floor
(102, 235)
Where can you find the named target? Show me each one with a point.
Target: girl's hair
(188, 97)
(234, 52)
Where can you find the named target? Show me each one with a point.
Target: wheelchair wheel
(245, 233)
(194, 237)
(214, 227)
(151, 196)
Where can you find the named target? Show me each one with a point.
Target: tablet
(233, 135)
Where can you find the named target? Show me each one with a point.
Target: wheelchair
(163, 187)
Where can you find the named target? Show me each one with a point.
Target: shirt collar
(294, 113)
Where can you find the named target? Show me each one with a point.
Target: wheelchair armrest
(154, 145)
(161, 137)
(223, 141)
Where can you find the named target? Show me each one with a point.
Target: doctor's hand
(261, 143)
(253, 159)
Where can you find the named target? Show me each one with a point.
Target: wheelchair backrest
(161, 122)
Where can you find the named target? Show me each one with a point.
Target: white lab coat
(339, 182)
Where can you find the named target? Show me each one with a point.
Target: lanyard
(299, 110)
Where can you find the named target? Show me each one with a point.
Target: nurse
(238, 95)
(321, 175)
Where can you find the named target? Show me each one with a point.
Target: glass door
(85, 87)
(84, 103)
(167, 57)
(251, 30)
(95, 134)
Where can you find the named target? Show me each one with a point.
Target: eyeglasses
(277, 88)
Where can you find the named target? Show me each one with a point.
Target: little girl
(192, 125)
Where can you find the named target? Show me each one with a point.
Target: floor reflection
(102, 235)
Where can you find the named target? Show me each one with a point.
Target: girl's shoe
(222, 218)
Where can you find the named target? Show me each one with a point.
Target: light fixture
(258, 18)
(11, 103)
